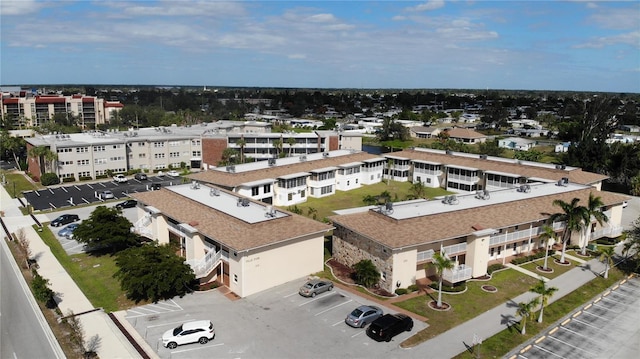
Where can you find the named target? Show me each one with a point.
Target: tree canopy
(154, 273)
(106, 228)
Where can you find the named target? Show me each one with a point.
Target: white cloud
(630, 38)
(20, 7)
(428, 6)
(618, 18)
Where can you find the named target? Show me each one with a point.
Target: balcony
(459, 273)
(610, 232)
(203, 266)
(425, 255)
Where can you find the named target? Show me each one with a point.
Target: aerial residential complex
(91, 154)
(498, 210)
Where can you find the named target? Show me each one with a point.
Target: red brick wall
(33, 165)
(212, 150)
(334, 143)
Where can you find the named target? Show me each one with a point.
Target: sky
(517, 45)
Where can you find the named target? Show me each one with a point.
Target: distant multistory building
(25, 109)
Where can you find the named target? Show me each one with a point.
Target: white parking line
(358, 333)
(313, 300)
(162, 325)
(545, 350)
(289, 295)
(190, 350)
(572, 346)
(334, 307)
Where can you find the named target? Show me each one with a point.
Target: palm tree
(441, 262)
(573, 217)
(390, 165)
(545, 293)
(545, 236)
(241, 143)
(291, 141)
(278, 145)
(525, 310)
(606, 255)
(593, 209)
(44, 156)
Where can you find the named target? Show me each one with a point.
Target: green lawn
(557, 269)
(465, 306)
(18, 182)
(92, 274)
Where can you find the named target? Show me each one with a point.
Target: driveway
(276, 323)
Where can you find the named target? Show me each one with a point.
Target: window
(174, 154)
(158, 155)
(492, 252)
(141, 144)
(62, 150)
(117, 158)
(290, 197)
(84, 174)
(99, 148)
(100, 161)
(255, 191)
(235, 278)
(142, 155)
(158, 144)
(116, 146)
(195, 142)
(326, 190)
(266, 188)
(302, 193)
(82, 149)
(83, 162)
(174, 143)
(196, 153)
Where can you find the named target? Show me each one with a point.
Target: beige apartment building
(247, 245)
(28, 110)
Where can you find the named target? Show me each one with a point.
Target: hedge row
(522, 260)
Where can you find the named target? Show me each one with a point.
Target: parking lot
(87, 193)
(606, 328)
(277, 323)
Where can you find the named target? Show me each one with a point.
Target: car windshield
(177, 331)
(308, 285)
(356, 312)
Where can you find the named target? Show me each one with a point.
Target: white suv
(200, 331)
(120, 178)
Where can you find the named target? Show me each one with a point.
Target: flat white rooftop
(236, 206)
(423, 207)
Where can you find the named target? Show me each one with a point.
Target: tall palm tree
(291, 141)
(278, 145)
(545, 293)
(241, 143)
(46, 158)
(593, 209)
(441, 262)
(606, 255)
(545, 236)
(525, 311)
(573, 217)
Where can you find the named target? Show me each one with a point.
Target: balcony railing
(458, 274)
(203, 266)
(142, 226)
(455, 249)
(613, 231)
(425, 255)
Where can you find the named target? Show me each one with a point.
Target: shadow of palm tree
(511, 304)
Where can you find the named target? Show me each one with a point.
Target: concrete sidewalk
(113, 344)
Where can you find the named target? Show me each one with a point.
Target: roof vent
(525, 188)
(483, 195)
(303, 158)
(386, 208)
(272, 161)
(325, 154)
(195, 185)
(452, 199)
(270, 212)
(231, 168)
(242, 202)
(561, 167)
(214, 192)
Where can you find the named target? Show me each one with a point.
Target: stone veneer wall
(350, 248)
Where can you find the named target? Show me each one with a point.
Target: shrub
(69, 179)
(366, 273)
(401, 291)
(85, 178)
(494, 267)
(413, 288)
(522, 260)
(41, 290)
(451, 289)
(49, 179)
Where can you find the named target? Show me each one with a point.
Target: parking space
(274, 323)
(605, 328)
(87, 193)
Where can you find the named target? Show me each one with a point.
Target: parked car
(130, 203)
(363, 315)
(64, 219)
(200, 331)
(106, 194)
(388, 326)
(314, 287)
(155, 186)
(120, 178)
(67, 231)
(173, 173)
(140, 176)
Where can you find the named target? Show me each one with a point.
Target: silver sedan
(363, 315)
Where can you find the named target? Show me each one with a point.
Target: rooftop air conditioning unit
(272, 161)
(483, 157)
(325, 154)
(214, 192)
(303, 158)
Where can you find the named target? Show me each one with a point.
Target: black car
(64, 219)
(388, 326)
(130, 203)
(155, 186)
(140, 176)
